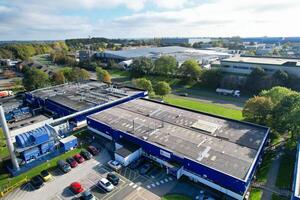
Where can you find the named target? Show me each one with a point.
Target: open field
(204, 107)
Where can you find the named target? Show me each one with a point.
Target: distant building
(181, 54)
(183, 41)
(245, 65)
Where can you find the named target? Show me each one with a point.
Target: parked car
(78, 158)
(115, 165)
(87, 195)
(76, 187)
(87, 155)
(145, 168)
(113, 178)
(183, 94)
(46, 175)
(135, 164)
(64, 166)
(73, 163)
(93, 150)
(37, 181)
(105, 184)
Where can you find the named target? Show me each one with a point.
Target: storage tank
(32, 153)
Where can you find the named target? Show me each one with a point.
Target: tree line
(25, 51)
(278, 108)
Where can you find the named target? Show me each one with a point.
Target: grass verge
(35, 171)
(204, 107)
(263, 170)
(175, 197)
(285, 172)
(277, 197)
(255, 194)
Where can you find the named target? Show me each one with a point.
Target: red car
(76, 187)
(78, 158)
(93, 150)
(72, 162)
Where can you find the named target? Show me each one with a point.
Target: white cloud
(49, 20)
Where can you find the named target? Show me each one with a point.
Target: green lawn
(175, 197)
(277, 197)
(3, 148)
(47, 165)
(262, 172)
(255, 194)
(204, 107)
(285, 173)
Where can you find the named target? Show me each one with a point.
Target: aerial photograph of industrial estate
(149, 100)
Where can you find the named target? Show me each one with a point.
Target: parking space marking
(130, 184)
(170, 178)
(134, 186)
(138, 188)
(166, 180)
(157, 183)
(162, 181)
(153, 185)
(148, 186)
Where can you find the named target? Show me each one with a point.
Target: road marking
(134, 186)
(162, 181)
(152, 176)
(197, 197)
(130, 184)
(170, 178)
(153, 185)
(138, 188)
(166, 180)
(157, 183)
(148, 186)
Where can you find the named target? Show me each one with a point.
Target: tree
(191, 70)
(255, 79)
(211, 77)
(103, 75)
(286, 115)
(80, 74)
(143, 84)
(67, 72)
(162, 88)
(34, 78)
(258, 110)
(165, 65)
(276, 94)
(58, 78)
(280, 78)
(141, 66)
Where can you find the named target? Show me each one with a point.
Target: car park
(113, 178)
(86, 155)
(73, 163)
(78, 158)
(135, 164)
(115, 165)
(76, 187)
(64, 166)
(87, 195)
(46, 176)
(106, 185)
(145, 168)
(93, 150)
(37, 182)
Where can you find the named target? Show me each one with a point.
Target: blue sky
(61, 19)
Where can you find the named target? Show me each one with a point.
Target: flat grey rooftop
(81, 96)
(263, 60)
(226, 145)
(27, 121)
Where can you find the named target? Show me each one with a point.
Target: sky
(64, 19)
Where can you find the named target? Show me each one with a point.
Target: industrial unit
(180, 53)
(218, 152)
(296, 181)
(245, 65)
(39, 128)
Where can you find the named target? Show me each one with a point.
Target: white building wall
(246, 68)
(130, 158)
(196, 178)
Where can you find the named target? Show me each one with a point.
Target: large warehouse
(218, 152)
(180, 53)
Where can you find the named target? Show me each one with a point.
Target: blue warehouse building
(66, 99)
(215, 151)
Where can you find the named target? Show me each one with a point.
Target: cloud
(62, 19)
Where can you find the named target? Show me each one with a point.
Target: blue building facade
(226, 183)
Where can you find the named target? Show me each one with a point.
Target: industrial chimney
(9, 144)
